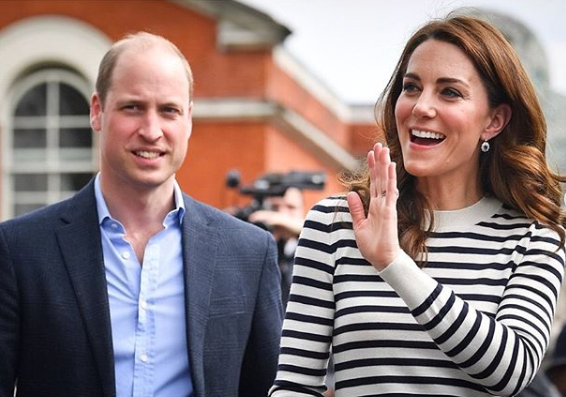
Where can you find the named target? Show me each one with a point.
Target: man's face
(145, 122)
(290, 204)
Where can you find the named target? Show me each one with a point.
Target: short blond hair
(142, 41)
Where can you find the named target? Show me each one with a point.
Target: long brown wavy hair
(514, 170)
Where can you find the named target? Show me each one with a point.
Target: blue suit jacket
(55, 332)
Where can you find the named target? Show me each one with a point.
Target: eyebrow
(129, 99)
(138, 101)
(441, 80)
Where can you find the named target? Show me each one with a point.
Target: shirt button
(143, 358)
(143, 305)
(126, 255)
(114, 225)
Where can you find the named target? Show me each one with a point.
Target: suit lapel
(81, 248)
(200, 244)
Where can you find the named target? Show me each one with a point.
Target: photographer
(277, 205)
(284, 217)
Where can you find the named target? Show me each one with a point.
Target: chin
(416, 171)
(150, 181)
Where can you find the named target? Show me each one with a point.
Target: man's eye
(170, 110)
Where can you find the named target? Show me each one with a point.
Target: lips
(426, 138)
(146, 154)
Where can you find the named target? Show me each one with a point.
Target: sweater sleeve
(502, 353)
(308, 324)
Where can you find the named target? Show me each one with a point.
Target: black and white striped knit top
(474, 322)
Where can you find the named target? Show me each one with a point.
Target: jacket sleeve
(260, 360)
(9, 320)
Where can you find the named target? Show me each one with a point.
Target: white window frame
(49, 161)
(28, 45)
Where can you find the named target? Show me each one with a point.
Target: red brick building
(256, 109)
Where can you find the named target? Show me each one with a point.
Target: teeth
(147, 155)
(427, 134)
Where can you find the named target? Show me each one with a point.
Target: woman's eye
(451, 93)
(410, 87)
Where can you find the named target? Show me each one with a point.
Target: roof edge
(240, 27)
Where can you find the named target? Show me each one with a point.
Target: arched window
(50, 140)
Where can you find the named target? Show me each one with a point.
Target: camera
(272, 185)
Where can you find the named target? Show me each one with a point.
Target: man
(132, 288)
(284, 217)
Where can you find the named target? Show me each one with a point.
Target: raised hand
(376, 234)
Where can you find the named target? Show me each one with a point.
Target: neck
(139, 209)
(450, 195)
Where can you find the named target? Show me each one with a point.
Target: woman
(446, 285)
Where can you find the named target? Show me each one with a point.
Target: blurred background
(285, 87)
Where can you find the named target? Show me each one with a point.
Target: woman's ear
(500, 117)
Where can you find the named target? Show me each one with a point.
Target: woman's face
(442, 114)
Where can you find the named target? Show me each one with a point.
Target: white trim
(319, 143)
(346, 113)
(233, 109)
(289, 122)
(37, 41)
(239, 26)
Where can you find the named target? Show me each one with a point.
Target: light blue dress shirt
(147, 306)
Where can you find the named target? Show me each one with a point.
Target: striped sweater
(474, 322)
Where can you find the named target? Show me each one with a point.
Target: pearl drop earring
(485, 146)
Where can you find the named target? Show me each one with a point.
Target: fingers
(379, 161)
(372, 173)
(384, 161)
(356, 208)
(392, 192)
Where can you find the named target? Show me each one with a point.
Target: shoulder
(507, 218)
(82, 206)
(197, 211)
(38, 220)
(329, 214)
(331, 208)
(35, 232)
(328, 223)
(538, 243)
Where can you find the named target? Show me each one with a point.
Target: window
(50, 140)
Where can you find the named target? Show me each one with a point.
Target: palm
(376, 234)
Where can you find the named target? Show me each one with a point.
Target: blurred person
(554, 364)
(541, 386)
(131, 287)
(284, 217)
(556, 368)
(439, 272)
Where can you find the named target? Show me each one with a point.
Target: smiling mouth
(426, 138)
(147, 155)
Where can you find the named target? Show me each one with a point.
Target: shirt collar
(104, 213)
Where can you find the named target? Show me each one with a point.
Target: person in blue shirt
(131, 287)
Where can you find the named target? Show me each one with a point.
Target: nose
(150, 129)
(424, 106)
